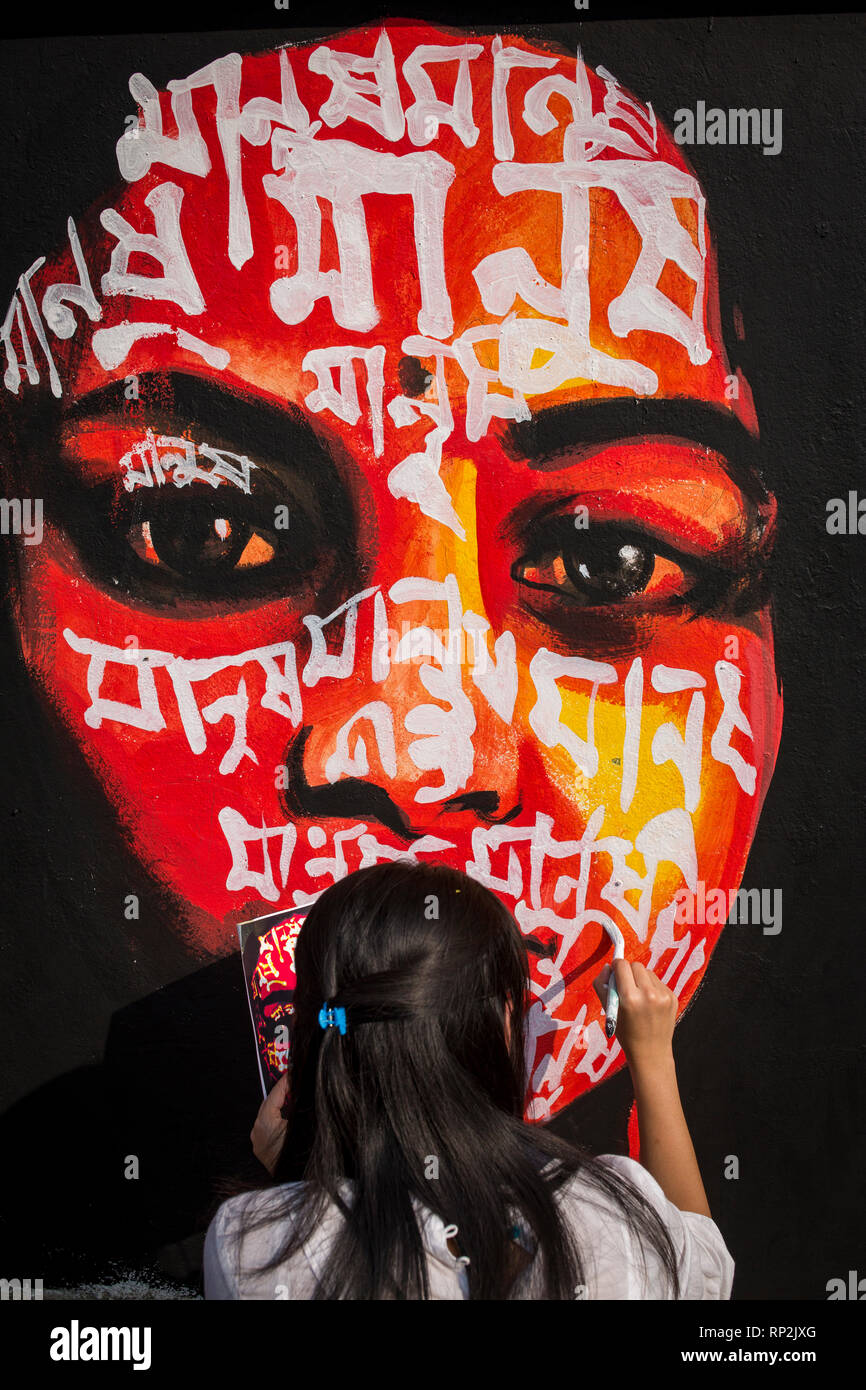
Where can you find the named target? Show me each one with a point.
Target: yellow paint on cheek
(431, 548)
(659, 788)
(461, 477)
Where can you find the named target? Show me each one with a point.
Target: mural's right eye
(603, 566)
(598, 572)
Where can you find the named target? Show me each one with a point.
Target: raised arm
(647, 1014)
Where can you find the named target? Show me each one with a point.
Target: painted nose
(427, 744)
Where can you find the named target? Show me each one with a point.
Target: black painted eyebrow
(233, 414)
(551, 434)
(542, 442)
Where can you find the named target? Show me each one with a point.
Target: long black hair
(423, 1098)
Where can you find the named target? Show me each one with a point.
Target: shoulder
(596, 1189)
(248, 1231)
(705, 1264)
(236, 1213)
(239, 1228)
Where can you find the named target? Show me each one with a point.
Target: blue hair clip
(332, 1018)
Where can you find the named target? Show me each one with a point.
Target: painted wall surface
(426, 442)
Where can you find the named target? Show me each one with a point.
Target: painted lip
(562, 990)
(459, 851)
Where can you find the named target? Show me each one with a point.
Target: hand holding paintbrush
(647, 1013)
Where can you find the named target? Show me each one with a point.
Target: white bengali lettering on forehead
(14, 369)
(111, 346)
(427, 112)
(309, 167)
(416, 477)
(342, 400)
(342, 173)
(24, 296)
(482, 405)
(165, 245)
(504, 60)
(59, 318)
(618, 106)
(144, 145)
(646, 188)
(374, 100)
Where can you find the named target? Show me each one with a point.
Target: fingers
(633, 982)
(601, 982)
(652, 991)
(647, 1011)
(621, 970)
(276, 1096)
(268, 1132)
(628, 983)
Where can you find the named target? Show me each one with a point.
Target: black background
(100, 1059)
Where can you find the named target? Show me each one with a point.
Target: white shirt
(613, 1268)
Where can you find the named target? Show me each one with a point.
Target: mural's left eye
(601, 565)
(205, 541)
(211, 545)
(162, 547)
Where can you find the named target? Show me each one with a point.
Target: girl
(401, 1165)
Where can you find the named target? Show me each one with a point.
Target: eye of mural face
(604, 564)
(167, 523)
(195, 538)
(214, 547)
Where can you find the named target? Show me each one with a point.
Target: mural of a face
(399, 500)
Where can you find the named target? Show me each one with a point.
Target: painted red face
(401, 503)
